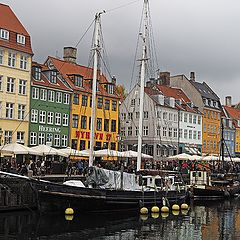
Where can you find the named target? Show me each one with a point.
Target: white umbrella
(133, 154)
(196, 157)
(16, 148)
(181, 156)
(73, 152)
(108, 153)
(47, 150)
(211, 158)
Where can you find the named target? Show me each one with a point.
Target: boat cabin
(200, 178)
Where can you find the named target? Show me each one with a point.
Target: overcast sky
(190, 35)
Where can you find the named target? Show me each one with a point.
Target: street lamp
(1, 135)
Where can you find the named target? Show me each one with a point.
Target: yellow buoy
(184, 206)
(175, 212)
(165, 209)
(69, 217)
(144, 210)
(154, 215)
(184, 212)
(144, 217)
(155, 209)
(175, 207)
(164, 214)
(69, 211)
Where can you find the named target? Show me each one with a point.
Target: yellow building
(15, 68)
(211, 131)
(79, 79)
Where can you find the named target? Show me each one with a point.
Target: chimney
(192, 76)
(114, 80)
(165, 78)
(228, 101)
(70, 54)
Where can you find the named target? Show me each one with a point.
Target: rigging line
(122, 6)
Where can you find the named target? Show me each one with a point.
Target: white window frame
(11, 59)
(34, 115)
(22, 87)
(35, 93)
(20, 137)
(57, 140)
(33, 138)
(1, 83)
(8, 136)
(41, 138)
(23, 62)
(4, 34)
(58, 118)
(21, 39)
(43, 94)
(10, 85)
(65, 119)
(9, 110)
(50, 118)
(1, 56)
(66, 98)
(58, 97)
(21, 111)
(51, 96)
(64, 140)
(42, 116)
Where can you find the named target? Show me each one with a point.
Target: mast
(142, 78)
(94, 87)
(222, 144)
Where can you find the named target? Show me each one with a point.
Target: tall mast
(94, 87)
(142, 78)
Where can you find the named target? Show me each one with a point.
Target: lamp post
(1, 135)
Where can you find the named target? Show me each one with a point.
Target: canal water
(209, 220)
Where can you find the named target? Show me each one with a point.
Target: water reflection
(204, 221)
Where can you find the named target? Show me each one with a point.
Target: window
(190, 134)
(107, 104)
(10, 85)
(53, 77)
(132, 102)
(185, 117)
(78, 81)
(75, 121)
(58, 97)
(33, 138)
(9, 110)
(43, 94)
(114, 105)
(136, 131)
(83, 122)
(22, 87)
(123, 116)
(199, 135)
(4, 34)
(185, 133)
(170, 132)
(23, 62)
(56, 140)
(194, 134)
(113, 126)
(76, 98)
(65, 119)
(1, 83)
(21, 39)
(99, 124)
(129, 131)
(21, 111)
(199, 120)
(164, 115)
(49, 138)
(58, 118)
(11, 59)
(41, 138)
(123, 131)
(82, 144)
(34, 115)
(64, 140)
(181, 117)
(158, 130)
(190, 118)
(35, 93)
(37, 73)
(8, 137)
(204, 127)
(164, 131)
(175, 132)
(145, 130)
(90, 104)
(42, 116)
(50, 118)
(106, 125)
(51, 96)
(158, 114)
(145, 115)
(130, 115)
(66, 98)
(1, 56)
(175, 117)
(180, 133)
(194, 119)
(20, 137)
(170, 116)
(100, 103)
(84, 100)
(137, 114)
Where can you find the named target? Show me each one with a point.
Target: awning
(160, 145)
(166, 146)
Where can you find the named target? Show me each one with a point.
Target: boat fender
(155, 209)
(69, 211)
(144, 210)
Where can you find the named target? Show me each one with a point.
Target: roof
(233, 112)
(67, 68)
(44, 82)
(10, 22)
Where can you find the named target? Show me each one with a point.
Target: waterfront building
(50, 108)
(234, 113)
(208, 103)
(79, 79)
(15, 74)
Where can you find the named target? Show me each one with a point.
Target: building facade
(15, 75)
(209, 104)
(50, 108)
(79, 79)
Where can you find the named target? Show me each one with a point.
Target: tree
(121, 91)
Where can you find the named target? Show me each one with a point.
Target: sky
(190, 35)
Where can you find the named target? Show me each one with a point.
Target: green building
(50, 102)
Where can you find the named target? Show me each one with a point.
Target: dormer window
(110, 88)
(4, 34)
(37, 73)
(209, 102)
(21, 39)
(53, 77)
(78, 80)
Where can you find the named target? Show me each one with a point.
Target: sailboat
(115, 191)
(204, 186)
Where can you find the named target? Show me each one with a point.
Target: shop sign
(49, 129)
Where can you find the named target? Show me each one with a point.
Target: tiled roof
(233, 112)
(45, 82)
(10, 22)
(66, 69)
